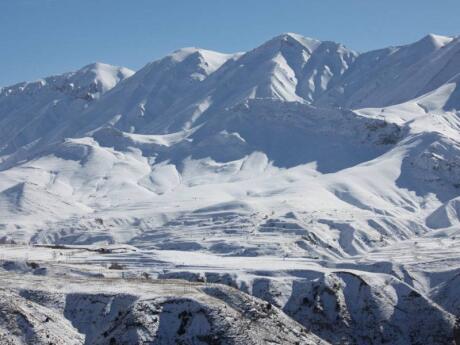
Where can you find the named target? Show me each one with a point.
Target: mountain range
(296, 150)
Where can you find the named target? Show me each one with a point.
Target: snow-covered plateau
(298, 193)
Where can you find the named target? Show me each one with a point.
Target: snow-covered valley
(320, 184)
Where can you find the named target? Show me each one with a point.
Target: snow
(41, 309)
(106, 75)
(396, 74)
(318, 179)
(439, 40)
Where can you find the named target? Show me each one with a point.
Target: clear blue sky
(43, 37)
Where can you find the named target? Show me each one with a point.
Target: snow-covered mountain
(396, 74)
(31, 111)
(299, 172)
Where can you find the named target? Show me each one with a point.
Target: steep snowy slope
(288, 67)
(30, 111)
(432, 165)
(191, 85)
(397, 74)
(154, 98)
(453, 102)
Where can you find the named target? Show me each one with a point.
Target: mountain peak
(292, 38)
(188, 60)
(94, 67)
(181, 54)
(436, 40)
(104, 75)
(89, 82)
(210, 60)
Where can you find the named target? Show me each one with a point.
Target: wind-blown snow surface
(300, 172)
